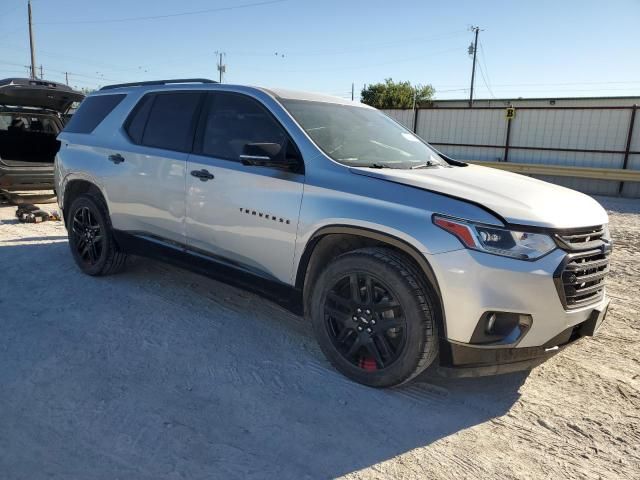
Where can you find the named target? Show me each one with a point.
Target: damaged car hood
(516, 198)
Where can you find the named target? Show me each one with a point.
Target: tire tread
(399, 263)
(421, 291)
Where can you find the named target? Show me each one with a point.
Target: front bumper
(473, 283)
(460, 360)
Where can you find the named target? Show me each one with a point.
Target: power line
(528, 92)
(553, 84)
(453, 90)
(485, 71)
(421, 57)
(581, 90)
(75, 74)
(486, 84)
(370, 46)
(12, 71)
(360, 48)
(169, 15)
(484, 59)
(10, 10)
(47, 53)
(8, 33)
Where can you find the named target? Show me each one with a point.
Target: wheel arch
(333, 240)
(80, 186)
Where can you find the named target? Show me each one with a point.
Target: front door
(244, 215)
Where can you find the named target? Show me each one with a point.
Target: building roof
(533, 99)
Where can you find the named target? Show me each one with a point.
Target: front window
(361, 137)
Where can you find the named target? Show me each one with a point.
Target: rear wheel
(374, 317)
(90, 238)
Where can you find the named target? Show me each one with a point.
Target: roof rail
(158, 82)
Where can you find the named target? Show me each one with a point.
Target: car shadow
(158, 372)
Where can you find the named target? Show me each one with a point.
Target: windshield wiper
(428, 164)
(376, 165)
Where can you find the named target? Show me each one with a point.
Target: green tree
(392, 94)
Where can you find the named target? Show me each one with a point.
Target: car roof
(204, 84)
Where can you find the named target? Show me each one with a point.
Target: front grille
(581, 276)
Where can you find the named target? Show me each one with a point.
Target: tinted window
(91, 112)
(171, 121)
(138, 120)
(235, 120)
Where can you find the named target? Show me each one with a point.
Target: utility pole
(353, 91)
(473, 49)
(41, 72)
(66, 78)
(222, 68)
(31, 43)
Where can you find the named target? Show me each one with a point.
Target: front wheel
(374, 318)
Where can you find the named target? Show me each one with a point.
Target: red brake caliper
(368, 364)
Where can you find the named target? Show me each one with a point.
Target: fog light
(501, 328)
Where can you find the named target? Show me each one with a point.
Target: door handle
(203, 175)
(116, 158)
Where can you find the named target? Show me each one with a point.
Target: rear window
(24, 122)
(138, 120)
(91, 112)
(171, 121)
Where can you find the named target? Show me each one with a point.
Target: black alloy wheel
(375, 316)
(365, 321)
(88, 237)
(91, 237)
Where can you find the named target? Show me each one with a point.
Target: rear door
(145, 181)
(245, 215)
(38, 93)
(28, 139)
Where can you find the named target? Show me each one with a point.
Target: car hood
(516, 198)
(24, 92)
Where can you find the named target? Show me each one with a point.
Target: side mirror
(266, 155)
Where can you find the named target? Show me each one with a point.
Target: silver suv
(397, 254)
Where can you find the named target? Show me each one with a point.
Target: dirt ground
(158, 373)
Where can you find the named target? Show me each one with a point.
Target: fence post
(625, 163)
(415, 120)
(506, 143)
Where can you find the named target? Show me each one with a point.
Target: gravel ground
(160, 373)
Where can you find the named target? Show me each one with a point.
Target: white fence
(600, 137)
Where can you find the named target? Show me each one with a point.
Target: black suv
(32, 113)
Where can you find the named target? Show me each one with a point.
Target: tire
(91, 242)
(396, 317)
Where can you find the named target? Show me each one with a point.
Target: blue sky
(528, 48)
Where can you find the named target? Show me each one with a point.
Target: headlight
(498, 241)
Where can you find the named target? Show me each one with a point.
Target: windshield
(361, 137)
